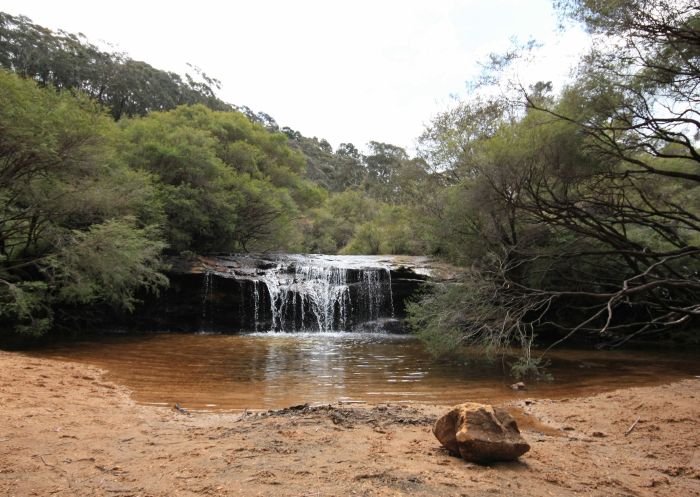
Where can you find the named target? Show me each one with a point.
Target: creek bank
(67, 431)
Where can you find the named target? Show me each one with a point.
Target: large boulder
(480, 433)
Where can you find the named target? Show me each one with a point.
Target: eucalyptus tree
(636, 102)
(580, 211)
(73, 224)
(225, 183)
(125, 86)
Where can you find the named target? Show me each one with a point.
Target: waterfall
(304, 293)
(391, 294)
(256, 304)
(307, 297)
(206, 297)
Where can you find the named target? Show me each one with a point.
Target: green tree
(335, 172)
(333, 224)
(588, 211)
(72, 217)
(225, 184)
(67, 61)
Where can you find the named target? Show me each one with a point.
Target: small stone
(480, 433)
(519, 386)
(598, 434)
(658, 481)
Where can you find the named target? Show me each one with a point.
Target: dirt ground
(66, 431)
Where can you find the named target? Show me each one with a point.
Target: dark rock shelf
(288, 292)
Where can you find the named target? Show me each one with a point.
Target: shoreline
(67, 431)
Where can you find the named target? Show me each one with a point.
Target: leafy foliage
(224, 183)
(575, 212)
(106, 263)
(68, 61)
(578, 212)
(71, 213)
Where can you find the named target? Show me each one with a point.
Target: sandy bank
(65, 431)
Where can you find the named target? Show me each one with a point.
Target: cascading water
(256, 304)
(317, 297)
(206, 297)
(310, 293)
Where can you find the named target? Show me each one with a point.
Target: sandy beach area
(67, 431)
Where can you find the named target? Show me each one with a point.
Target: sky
(345, 71)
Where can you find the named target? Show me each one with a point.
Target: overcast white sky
(349, 71)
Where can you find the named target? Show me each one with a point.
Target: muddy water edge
(273, 370)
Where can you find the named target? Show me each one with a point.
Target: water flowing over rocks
(480, 433)
(290, 292)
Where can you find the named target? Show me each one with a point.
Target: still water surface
(272, 370)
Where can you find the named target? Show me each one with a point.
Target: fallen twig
(629, 430)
